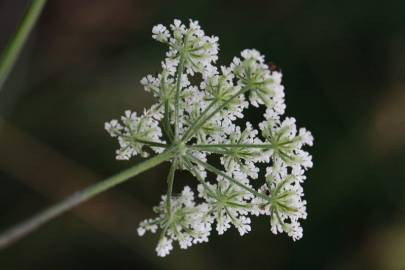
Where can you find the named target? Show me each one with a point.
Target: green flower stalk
(12, 51)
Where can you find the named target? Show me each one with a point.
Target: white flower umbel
(285, 206)
(192, 120)
(134, 132)
(180, 220)
(228, 204)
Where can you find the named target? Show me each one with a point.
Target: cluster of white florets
(200, 120)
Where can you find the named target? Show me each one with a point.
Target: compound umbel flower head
(197, 120)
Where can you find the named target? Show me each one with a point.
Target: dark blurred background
(343, 64)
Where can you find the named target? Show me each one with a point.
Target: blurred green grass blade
(13, 49)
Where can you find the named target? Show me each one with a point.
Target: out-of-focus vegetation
(343, 64)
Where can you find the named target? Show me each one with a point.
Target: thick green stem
(210, 146)
(166, 122)
(180, 70)
(13, 49)
(213, 151)
(199, 178)
(151, 143)
(28, 226)
(170, 182)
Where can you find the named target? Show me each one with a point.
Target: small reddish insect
(273, 67)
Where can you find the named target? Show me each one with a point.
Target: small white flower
(134, 132)
(228, 203)
(285, 205)
(182, 221)
(286, 143)
(219, 88)
(266, 85)
(164, 246)
(242, 159)
(160, 33)
(114, 128)
(147, 225)
(191, 46)
(196, 118)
